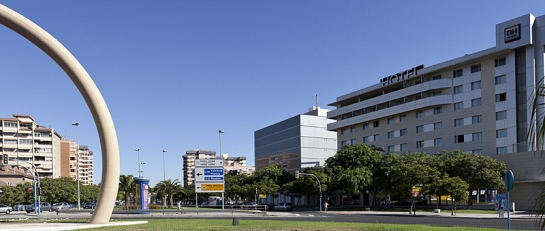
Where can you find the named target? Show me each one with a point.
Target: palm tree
(169, 187)
(536, 137)
(127, 186)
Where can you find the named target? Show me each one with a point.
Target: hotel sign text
(512, 33)
(407, 74)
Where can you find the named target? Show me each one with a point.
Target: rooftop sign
(512, 33)
(403, 75)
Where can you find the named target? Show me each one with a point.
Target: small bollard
(235, 221)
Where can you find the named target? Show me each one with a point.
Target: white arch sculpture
(103, 120)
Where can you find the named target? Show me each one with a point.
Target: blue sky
(173, 73)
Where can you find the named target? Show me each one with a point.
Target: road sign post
(209, 176)
(509, 182)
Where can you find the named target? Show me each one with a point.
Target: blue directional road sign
(209, 174)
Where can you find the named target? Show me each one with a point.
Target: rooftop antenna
(316, 101)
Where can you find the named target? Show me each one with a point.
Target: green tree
(455, 187)
(169, 188)
(127, 186)
(412, 169)
(268, 180)
(234, 185)
(17, 195)
(477, 171)
(351, 168)
(536, 137)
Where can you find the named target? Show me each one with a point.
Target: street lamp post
(221, 155)
(142, 167)
(319, 185)
(138, 150)
(77, 162)
(164, 178)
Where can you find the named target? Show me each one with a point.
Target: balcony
(392, 98)
(406, 107)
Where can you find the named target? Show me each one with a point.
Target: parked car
(248, 205)
(283, 207)
(60, 206)
(89, 205)
(5, 209)
(44, 206)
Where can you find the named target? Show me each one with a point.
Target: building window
(458, 89)
(403, 132)
(375, 124)
(501, 150)
(390, 135)
(500, 79)
(476, 85)
(476, 119)
(419, 129)
(390, 120)
(365, 126)
(376, 137)
(477, 151)
(501, 115)
(403, 147)
(437, 110)
(10, 124)
(436, 77)
(501, 133)
(352, 141)
(499, 62)
(402, 118)
(458, 122)
(477, 136)
(24, 141)
(457, 73)
(437, 126)
(476, 102)
(458, 106)
(438, 142)
(352, 129)
(391, 148)
(344, 143)
(476, 68)
(343, 131)
(419, 114)
(420, 144)
(459, 139)
(366, 139)
(501, 97)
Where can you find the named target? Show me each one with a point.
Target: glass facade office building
(298, 142)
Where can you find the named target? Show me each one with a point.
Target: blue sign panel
(213, 178)
(213, 172)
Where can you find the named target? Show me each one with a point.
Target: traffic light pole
(297, 173)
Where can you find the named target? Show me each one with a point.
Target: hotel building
(298, 142)
(479, 103)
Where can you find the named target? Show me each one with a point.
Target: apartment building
(189, 162)
(480, 103)
(236, 164)
(85, 158)
(297, 142)
(28, 143)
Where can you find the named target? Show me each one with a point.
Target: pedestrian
(179, 205)
(325, 206)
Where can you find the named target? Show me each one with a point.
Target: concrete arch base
(88, 89)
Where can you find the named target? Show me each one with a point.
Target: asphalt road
(382, 218)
